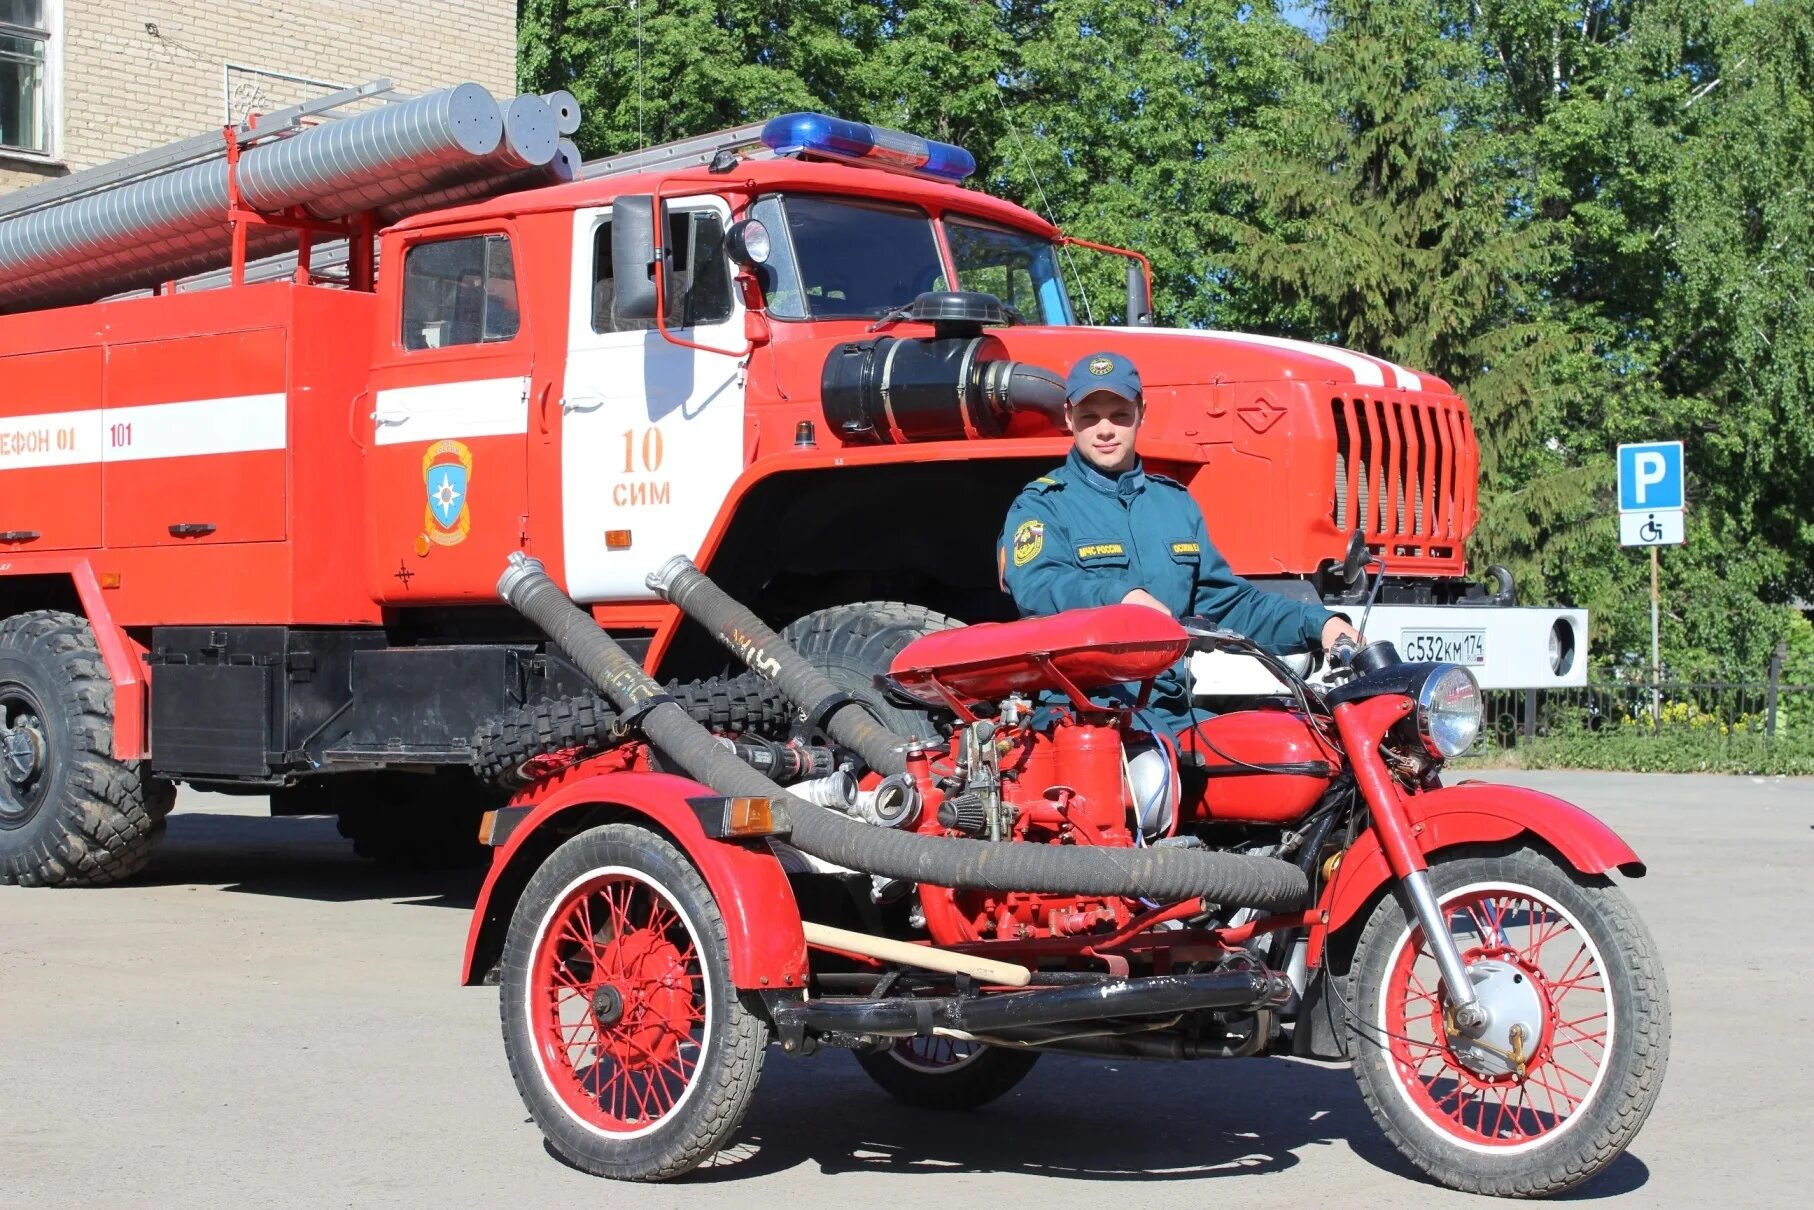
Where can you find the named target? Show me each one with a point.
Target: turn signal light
(740, 818)
(617, 539)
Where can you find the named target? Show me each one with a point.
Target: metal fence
(1625, 702)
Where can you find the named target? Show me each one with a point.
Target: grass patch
(1631, 750)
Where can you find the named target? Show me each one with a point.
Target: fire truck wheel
(851, 644)
(412, 821)
(630, 1047)
(945, 1073)
(70, 814)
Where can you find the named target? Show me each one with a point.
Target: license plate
(1443, 646)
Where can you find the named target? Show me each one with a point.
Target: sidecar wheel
(1573, 1057)
(944, 1073)
(629, 1045)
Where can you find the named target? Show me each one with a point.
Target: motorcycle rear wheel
(1524, 1114)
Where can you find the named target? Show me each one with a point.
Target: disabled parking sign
(1651, 496)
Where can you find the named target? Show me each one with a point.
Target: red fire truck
(250, 535)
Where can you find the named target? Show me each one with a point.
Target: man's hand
(1335, 628)
(1141, 596)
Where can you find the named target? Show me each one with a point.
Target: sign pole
(1656, 663)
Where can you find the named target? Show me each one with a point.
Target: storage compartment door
(194, 440)
(50, 451)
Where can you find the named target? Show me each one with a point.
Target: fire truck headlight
(1449, 711)
(748, 242)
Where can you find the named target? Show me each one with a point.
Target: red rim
(935, 1054)
(1533, 942)
(619, 1002)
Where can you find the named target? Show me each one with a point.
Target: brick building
(86, 81)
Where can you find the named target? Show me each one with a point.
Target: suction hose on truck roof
(1164, 874)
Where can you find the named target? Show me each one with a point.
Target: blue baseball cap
(1109, 372)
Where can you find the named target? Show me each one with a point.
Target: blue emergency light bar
(866, 146)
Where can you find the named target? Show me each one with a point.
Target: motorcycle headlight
(1449, 711)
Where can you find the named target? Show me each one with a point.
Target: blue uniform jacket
(1078, 538)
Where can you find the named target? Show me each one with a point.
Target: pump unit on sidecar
(1036, 871)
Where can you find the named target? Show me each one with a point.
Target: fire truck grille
(1404, 469)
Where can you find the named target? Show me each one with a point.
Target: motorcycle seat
(1092, 648)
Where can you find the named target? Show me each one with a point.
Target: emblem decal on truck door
(447, 479)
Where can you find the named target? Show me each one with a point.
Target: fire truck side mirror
(638, 251)
(1139, 310)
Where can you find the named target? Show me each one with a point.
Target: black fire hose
(753, 642)
(1169, 875)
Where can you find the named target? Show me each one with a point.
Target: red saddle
(1089, 647)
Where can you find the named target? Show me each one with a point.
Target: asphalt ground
(263, 1019)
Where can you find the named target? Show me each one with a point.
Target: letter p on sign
(1650, 476)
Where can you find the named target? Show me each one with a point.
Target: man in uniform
(1099, 530)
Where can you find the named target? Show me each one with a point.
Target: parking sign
(1650, 476)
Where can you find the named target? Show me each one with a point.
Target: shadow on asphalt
(293, 858)
(1077, 1119)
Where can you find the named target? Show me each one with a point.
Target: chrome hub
(21, 751)
(1513, 1007)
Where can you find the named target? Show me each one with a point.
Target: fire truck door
(651, 431)
(446, 470)
(50, 451)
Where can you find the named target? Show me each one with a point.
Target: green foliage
(1594, 218)
(1703, 751)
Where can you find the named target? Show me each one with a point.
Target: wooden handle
(984, 970)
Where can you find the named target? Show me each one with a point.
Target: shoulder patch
(1167, 480)
(1044, 483)
(1029, 540)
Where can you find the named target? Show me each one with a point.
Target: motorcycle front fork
(1363, 725)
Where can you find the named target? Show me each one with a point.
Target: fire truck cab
(250, 536)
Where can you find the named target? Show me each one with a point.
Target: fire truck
(251, 524)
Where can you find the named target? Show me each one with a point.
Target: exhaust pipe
(1168, 875)
(910, 1016)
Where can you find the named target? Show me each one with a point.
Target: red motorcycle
(1291, 878)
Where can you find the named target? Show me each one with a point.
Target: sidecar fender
(767, 946)
(1477, 813)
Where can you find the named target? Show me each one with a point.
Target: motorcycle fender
(761, 920)
(1478, 813)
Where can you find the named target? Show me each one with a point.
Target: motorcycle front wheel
(1573, 1055)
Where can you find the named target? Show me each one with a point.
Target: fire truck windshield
(846, 258)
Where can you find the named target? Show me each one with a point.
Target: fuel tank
(1252, 766)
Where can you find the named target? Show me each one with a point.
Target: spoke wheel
(1572, 1057)
(634, 1053)
(946, 1073)
(624, 1008)
(1544, 1055)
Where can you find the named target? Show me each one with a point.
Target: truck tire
(852, 644)
(414, 821)
(70, 814)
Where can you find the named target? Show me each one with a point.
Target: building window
(24, 90)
